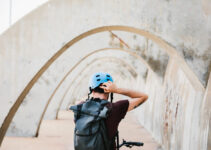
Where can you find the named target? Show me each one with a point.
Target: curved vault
(171, 52)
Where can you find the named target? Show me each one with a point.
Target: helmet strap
(111, 97)
(90, 92)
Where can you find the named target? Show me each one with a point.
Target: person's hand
(109, 87)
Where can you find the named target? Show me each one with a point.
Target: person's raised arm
(137, 98)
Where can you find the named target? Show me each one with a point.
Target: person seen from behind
(97, 119)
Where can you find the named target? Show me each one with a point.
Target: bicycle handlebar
(131, 144)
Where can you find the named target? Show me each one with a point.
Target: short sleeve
(117, 113)
(121, 108)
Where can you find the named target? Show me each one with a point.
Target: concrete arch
(63, 79)
(82, 70)
(166, 47)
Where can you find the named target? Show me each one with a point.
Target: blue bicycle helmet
(99, 78)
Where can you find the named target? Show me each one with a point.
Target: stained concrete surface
(58, 135)
(172, 113)
(26, 46)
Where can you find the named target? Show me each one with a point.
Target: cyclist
(101, 86)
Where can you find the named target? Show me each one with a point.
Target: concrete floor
(58, 135)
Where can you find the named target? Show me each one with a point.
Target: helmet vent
(97, 75)
(107, 75)
(98, 79)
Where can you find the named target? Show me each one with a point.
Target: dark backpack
(90, 128)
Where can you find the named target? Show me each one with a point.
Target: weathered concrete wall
(173, 112)
(185, 25)
(206, 115)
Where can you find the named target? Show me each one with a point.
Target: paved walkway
(58, 135)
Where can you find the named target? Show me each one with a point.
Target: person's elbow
(146, 97)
